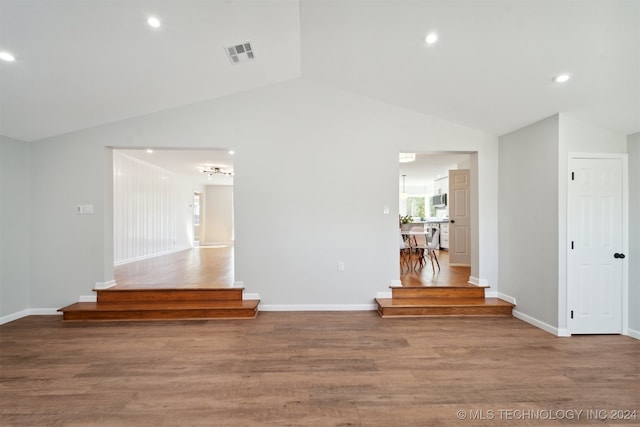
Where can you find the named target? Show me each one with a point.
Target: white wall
(218, 214)
(633, 149)
(152, 213)
(288, 238)
(15, 215)
(576, 136)
(528, 216)
(533, 213)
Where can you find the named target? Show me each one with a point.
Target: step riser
(170, 295)
(445, 311)
(160, 315)
(444, 292)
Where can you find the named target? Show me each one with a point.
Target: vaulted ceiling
(84, 63)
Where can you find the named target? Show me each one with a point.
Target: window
(416, 206)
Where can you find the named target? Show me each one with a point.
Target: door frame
(563, 285)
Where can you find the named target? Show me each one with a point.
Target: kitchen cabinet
(444, 236)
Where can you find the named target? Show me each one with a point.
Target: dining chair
(419, 243)
(431, 249)
(405, 253)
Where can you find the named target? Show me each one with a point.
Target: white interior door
(459, 217)
(595, 224)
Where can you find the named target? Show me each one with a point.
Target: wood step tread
(141, 295)
(446, 292)
(439, 286)
(439, 302)
(172, 287)
(161, 305)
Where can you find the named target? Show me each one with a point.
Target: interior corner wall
(218, 214)
(633, 149)
(528, 220)
(15, 214)
(576, 136)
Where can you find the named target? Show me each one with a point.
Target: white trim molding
(507, 298)
(14, 316)
(254, 296)
(318, 307)
(104, 285)
(540, 324)
(479, 282)
(153, 255)
(88, 298)
(386, 294)
(633, 333)
(29, 312)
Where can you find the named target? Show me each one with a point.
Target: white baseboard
(140, 258)
(238, 284)
(507, 298)
(88, 298)
(387, 294)
(396, 283)
(29, 312)
(105, 285)
(540, 324)
(633, 333)
(318, 307)
(478, 282)
(225, 243)
(14, 316)
(254, 296)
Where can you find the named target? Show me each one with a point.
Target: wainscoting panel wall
(152, 213)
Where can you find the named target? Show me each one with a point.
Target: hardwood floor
(426, 276)
(313, 369)
(191, 284)
(207, 266)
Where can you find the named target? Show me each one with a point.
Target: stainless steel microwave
(439, 201)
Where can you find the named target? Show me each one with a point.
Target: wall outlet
(340, 266)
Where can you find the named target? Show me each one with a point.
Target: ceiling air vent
(242, 52)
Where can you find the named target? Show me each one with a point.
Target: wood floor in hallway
(196, 267)
(213, 266)
(313, 369)
(446, 275)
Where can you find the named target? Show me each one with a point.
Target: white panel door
(459, 217)
(595, 224)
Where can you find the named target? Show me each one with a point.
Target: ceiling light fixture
(232, 152)
(7, 56)
(562, 78)
(214, 170)
(431, 38)
(407, 157)
(154, 22)
(149, 150)
(404, 194)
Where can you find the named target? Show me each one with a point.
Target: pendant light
(404, 194)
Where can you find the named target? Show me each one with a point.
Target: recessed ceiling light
(149, 150)
(6, 56)
(431, 38)
(561, 78)
(231, 152)
(153, 22)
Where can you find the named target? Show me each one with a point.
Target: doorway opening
(196, 218)
(168, 210)
(424, 205)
